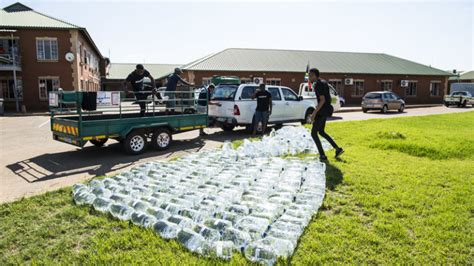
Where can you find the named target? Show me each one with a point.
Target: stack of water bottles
(219, 201)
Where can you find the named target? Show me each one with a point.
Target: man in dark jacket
(136, 81)
(264, 108)
(323, 110)
(171, 85)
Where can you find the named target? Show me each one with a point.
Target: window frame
(355, 89)
(42, 40)
(409, 88)
(438, 82)
(291, 92)
(46, 78)
(382, 85)
(242, 93)
(279, 93)
(268, 81)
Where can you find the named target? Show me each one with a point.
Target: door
(396, 103)
(294, 108)
(278, 108)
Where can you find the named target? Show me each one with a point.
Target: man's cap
(178, 70)
(211, 85)
(140, 66)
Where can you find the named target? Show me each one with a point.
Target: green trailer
(117, 117)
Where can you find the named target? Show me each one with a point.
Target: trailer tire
(98, 142)
(135, 143)
(161, 139)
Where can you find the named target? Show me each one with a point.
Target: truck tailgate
(226, 109)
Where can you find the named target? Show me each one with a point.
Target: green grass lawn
(403, 193)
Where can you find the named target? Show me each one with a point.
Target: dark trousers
(318, 127)
(141, 97)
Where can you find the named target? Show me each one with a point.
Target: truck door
(294, 108)
(278, 108)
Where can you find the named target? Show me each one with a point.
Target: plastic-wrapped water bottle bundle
(216, 202)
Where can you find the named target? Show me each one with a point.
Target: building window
(246, 81)
(7, 86)
(337, 85)
(47, 49)
(46, 85)
(386, 85)
(273, 81)
(358, 90)
(435, 88)
(411, 88)
(206, 81)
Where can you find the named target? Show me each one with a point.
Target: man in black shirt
(323, 110)
(204, 100)
(136, 81)
(171, 85)
(264, 108)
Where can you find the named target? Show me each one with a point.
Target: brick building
(48, 54)
(351, 74)
(118, 72)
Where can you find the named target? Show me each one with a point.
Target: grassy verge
(403, 193)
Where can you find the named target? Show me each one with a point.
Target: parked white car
(311, 95)
(237, 108)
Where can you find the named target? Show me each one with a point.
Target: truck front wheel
(135, 143)
(161, 139)
(227, 127)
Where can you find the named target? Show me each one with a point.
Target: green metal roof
(121, 70)
(467, 75)
(239, 59)
(21, 16)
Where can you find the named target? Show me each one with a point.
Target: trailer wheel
(135, 143)
(99, 142)
(161, 139)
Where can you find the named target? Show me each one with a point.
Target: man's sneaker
(339, 151)
(323, 158)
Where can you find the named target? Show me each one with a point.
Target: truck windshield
(224, 92)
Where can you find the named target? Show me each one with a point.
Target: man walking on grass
(323, 110)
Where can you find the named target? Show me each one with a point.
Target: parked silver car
(383, 101)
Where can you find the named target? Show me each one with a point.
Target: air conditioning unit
(404, 83)
(349, 81)
(258, 80)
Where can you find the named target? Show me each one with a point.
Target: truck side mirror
(300, 98)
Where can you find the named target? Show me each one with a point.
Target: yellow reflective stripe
(94, 137)
(185, 128)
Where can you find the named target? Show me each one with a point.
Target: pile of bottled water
(215, 202)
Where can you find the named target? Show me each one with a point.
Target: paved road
(32, 163)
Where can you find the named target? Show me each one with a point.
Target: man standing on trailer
(136, 81)
(323, 110)
(171, 85)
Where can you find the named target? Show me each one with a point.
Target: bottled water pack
(216, 202)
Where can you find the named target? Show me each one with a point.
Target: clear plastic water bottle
(142, 219)
(166, 229)
(238, 237)
(193, 241)
(83, 198)
(209, 234)
(121, 211)
(261, 253)
(101, 204)
(222, 249)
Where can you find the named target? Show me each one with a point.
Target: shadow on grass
(334, 176)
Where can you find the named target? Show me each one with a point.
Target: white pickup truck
(308, 94)
(237, 108)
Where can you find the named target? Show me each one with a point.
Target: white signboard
(404, 83)
(108, 98)
(53, 99)
(258, 80)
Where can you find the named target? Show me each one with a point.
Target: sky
(436, 33)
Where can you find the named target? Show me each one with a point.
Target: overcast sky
(433, 33)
